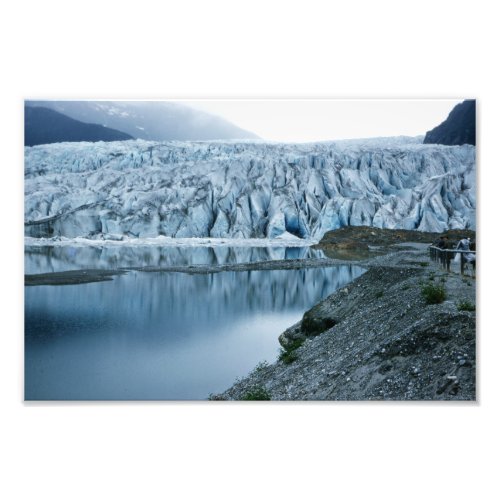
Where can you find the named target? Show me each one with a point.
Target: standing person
(441, 242)
(464, 244)
(471, 257)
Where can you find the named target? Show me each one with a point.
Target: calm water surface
(161, 335)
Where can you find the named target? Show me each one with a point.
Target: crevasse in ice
(145, 189)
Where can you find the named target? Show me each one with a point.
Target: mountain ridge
(46, 126)
(150, 120)
(458, 128)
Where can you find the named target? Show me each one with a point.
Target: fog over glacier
(141, 189)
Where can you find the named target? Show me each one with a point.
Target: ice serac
(246, 190)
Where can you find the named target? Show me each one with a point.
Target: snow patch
(165, 241)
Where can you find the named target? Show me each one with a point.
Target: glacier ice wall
(245, 190)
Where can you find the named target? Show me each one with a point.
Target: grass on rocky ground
(288, 354)
(260, 367)
(465, 305)
(257, 393)
(433, 294)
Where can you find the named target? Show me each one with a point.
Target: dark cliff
(459, 128)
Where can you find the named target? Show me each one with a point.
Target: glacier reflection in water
(54, 259)
(163, 335)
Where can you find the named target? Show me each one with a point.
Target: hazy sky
(320, 120)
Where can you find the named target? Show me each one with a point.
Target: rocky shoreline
(375, 339)
(378, 339)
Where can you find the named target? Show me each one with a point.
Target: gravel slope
(378, 339)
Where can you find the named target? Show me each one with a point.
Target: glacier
(245, 190)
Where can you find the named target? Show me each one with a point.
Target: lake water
(62, 258)
(161, 336)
